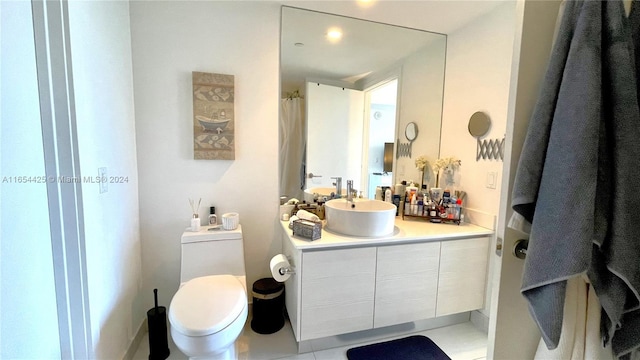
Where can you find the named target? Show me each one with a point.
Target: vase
(436, 194)
(195, 223)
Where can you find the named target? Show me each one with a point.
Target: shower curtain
(292, 147)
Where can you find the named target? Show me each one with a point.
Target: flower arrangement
(421, 162)
(449, 163)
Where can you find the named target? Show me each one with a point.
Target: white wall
(477, 79)
(169, 41)
(103, 85)
(172, 39)
(421, 94)
(27, 294)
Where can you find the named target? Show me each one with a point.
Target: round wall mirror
(411, 131)
(479, 124)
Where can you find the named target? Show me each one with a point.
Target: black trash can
(268, 306)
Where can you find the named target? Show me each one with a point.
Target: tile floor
(461, 342)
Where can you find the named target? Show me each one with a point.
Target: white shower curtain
(292, 147)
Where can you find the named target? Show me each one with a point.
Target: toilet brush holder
(157, 321)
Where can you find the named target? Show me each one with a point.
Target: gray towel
(577, 177)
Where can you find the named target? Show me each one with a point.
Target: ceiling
(366, 46)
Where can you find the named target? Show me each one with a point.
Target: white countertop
(405, 231)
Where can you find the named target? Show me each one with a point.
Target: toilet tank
(215, 252)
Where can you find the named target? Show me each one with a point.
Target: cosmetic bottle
(213, 218)
(407, 203)
(425, 193)
(400, 188)
(414, 204)
(412, 189)
(396, 202)
(378, 193)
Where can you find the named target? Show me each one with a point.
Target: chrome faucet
(349, 190)
(338, 185)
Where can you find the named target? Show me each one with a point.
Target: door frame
(367, 125)
(512, 331)
(60, 148)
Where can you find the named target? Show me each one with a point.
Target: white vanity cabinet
(343, 285)
(337, 291)
(406, 283)
(462, 277)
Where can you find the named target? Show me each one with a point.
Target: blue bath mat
(415, 347)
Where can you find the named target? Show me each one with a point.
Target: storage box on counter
(307, 229)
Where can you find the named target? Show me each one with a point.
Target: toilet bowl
(207, 315)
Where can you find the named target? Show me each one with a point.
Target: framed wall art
(213, 116)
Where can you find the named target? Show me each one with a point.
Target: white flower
(448, 162)
(421, 162)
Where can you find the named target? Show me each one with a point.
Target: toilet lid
(206, 305)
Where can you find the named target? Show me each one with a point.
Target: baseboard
(135, 342)
(480, 321)
(381, 333)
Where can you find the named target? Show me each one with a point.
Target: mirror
(366, 57)
(411, 131)
(479, 124)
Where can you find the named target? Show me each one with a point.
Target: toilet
(209, 310)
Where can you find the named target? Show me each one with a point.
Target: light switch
(492, 179)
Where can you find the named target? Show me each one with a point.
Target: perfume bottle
(213, 218)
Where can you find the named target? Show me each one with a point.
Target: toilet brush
(157, 321)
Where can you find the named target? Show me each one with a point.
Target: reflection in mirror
(388, 158)
(370, 56)
(411, 131)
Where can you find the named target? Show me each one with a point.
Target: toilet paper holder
(281, 268)
(287, 270)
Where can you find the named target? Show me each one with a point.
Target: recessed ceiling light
(334, 34)
(365, 3)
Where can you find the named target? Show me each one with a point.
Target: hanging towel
(578, 179)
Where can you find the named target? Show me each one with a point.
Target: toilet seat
(206, 305)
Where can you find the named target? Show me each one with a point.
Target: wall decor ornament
(213, 116)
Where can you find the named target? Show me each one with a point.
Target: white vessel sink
(321, 191)
(363, 217)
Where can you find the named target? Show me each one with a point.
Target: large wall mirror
(345, 94)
